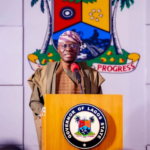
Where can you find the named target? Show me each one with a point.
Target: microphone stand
(78, 77)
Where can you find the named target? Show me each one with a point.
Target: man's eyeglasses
(71, 46)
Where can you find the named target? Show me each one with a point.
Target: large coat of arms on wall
(95, 22)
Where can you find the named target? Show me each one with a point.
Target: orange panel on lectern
(58, 105)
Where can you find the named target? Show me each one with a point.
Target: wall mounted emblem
(95, 21)
(84, 126)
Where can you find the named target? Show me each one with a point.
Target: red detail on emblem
(59, 22)
(84, 123)
(81, 123)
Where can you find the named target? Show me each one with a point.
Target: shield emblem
(89, 18)
(84, 126)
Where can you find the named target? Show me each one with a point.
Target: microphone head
(74, 66)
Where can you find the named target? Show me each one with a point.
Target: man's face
(68, 51)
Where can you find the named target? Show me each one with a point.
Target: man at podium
(58, 78)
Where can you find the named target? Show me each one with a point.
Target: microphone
(75, 69)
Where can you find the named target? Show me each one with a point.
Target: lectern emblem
(84, 126)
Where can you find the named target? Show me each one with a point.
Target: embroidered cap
(70, 36)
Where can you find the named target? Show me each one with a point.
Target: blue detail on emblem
(85, 130)
(67, 13)
(94, 42)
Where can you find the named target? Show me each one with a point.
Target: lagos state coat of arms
(95, 22)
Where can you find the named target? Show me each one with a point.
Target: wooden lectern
(56, 107)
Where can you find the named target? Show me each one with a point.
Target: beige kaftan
(43, 81)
